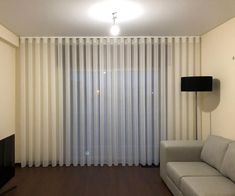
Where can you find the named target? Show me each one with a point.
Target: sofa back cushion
(214, 150)
(228, 164)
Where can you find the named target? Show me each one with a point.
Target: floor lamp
(196, 84)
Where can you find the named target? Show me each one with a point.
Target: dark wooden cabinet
(7, 159)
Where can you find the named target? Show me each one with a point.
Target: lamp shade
(196, 83)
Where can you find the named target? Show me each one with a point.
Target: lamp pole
(196, 84)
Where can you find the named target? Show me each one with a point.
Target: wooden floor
(86, 181)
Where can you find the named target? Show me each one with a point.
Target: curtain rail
(105, 37)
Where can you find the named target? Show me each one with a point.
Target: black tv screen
(7, 159)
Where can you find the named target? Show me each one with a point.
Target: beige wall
(7, 89)
(218, 49)
(8, 44)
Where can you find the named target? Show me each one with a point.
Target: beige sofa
(196, 168)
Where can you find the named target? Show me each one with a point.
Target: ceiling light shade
(115, 30)
(127, 10)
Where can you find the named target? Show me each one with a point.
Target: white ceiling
(70, 17)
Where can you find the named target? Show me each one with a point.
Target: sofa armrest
(179, 151)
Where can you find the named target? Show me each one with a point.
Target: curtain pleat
(96, 101)
(156, 100)
(163, 66)
(191, 96)
(67, 88)
(197, 71)
(60, 81)
(184, 96)
(82, 103)
(114, 100)
(142, 102)
(128, 95)
(122, 100)
(135, 100)
(53, 108)
(170, 90)
(177, 101)
(108, 130)
(37, 104)
(45, 105)
(149, 106)
(74, 103)
(102, 102)
(89, 103)
(30, 122)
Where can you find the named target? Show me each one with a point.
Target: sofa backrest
(214, 150)
(228, 164)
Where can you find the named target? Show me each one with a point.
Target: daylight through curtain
(99, 101)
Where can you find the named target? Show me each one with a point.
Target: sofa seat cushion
(177, 170)
(213, 150)
(228, 165)
(207, 186)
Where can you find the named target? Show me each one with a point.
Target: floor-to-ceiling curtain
(99, 101)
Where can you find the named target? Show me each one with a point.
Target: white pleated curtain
(99, 101)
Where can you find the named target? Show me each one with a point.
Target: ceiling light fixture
(127, 10)
(115, 30)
